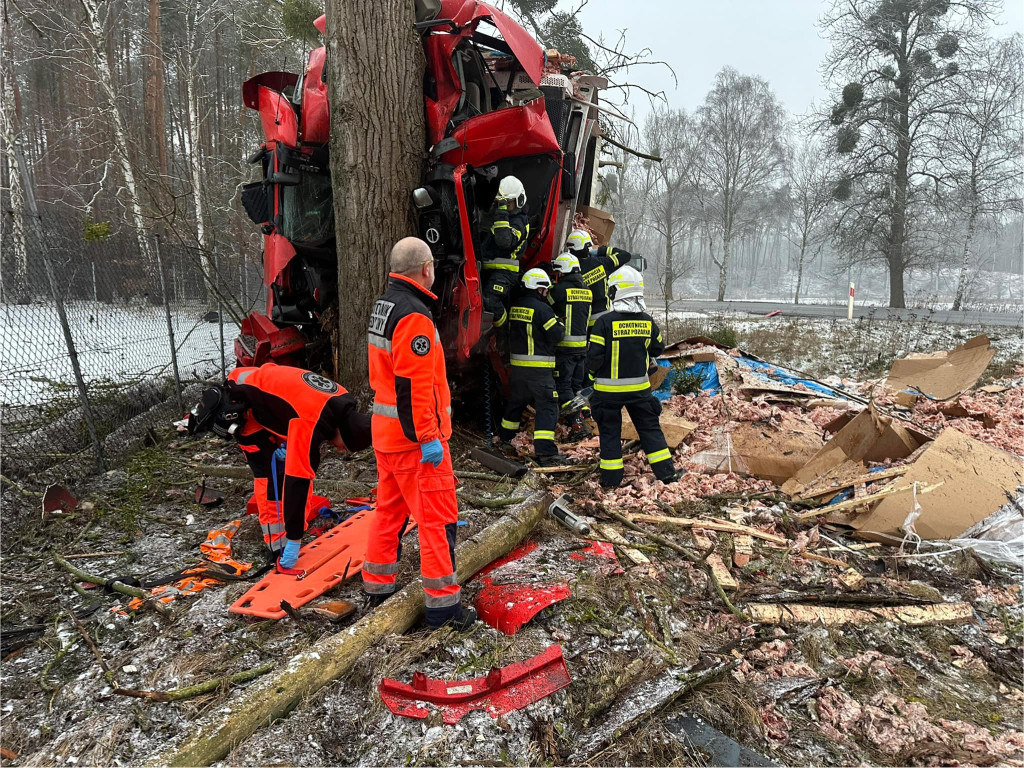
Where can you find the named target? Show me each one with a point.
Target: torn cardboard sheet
(943, 375)
(755, 449)
(675, 428)
(868, 437)
(976, 478)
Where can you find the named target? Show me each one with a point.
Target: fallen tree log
(304, 674)
(913, 615)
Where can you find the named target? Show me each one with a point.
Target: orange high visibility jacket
(412, 402)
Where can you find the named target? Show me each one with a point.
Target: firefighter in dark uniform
(274, 410)
(596, 264)
(571, 302)
(622, 343)
(503, 247)
(534, 332)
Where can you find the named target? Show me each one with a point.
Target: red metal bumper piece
(499, 692)
(507, 607)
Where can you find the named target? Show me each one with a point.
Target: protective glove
(432, 453)
(290, 556)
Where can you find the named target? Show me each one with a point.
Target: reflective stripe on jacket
(621, 347)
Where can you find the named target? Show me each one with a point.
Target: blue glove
(593, 251)
(290, 556)
(432, 453)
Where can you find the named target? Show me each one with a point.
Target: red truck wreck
(495, 104)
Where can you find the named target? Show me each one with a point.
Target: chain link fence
(99, 340)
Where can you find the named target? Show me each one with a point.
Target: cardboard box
(943, 375)
(976, 478)
(751, 449)
(869, 436)
(602, 224)
(675, 428)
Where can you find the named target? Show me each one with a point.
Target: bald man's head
(411, 257)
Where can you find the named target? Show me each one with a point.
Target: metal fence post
(170, 327)
(58, 300)
(220, 316)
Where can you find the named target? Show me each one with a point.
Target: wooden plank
(710, 524)
(841, 485)
(871, 497)
(852, 579)
(718, 567)
(913, 615)
(618, 540)
(742, 549)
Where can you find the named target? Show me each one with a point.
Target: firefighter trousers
(497, 295)
(534, 387)
(644, 410)
(570, 374)
(406, 488)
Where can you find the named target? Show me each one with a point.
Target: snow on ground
(115, 342)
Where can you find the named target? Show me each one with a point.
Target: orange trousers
(406, 488)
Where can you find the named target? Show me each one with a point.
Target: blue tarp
(711, 384)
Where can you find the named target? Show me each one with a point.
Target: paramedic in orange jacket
(411, 426)
(273, 407)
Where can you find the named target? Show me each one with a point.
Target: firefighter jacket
(412, 402)
(621, 347)
(595, 271)
(572, 302)
(507, 240)
(304, 409)
(534, 332)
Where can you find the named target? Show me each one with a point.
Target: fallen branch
(865, 500)
(117, 586)
(685, 553)
(480, 476)
(17, 488)
(567, 468)
(87, 555)
(191, 691)
(84, 632)
(336, 654)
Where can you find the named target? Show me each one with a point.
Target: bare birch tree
(810, 180)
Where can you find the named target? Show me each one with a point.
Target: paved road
(817, 310)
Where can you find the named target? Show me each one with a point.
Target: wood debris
(632, 553)
(742, 549)
(913, 615)
(718, 567)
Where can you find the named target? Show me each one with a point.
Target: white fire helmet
(624, 283)
(566, 263)
(579, 242)
(536, 278)
(511, 190)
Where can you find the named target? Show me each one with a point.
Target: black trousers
(536, 387)
(644, 410)
(570, 373)
(497, 295)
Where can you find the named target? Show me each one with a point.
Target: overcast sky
(776, 39)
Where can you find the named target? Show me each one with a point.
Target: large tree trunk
(800, 270)
(156, 143)
(303, 675)
(375, 83)
(961, 283)
(16, 287)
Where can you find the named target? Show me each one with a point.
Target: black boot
(461, 621)
(553, 460)
(676, 475)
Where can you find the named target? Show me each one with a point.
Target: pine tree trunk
(375, 83)
(961, 283)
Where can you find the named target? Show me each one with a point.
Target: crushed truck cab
(495, 104)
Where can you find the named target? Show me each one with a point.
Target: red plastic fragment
(600, 549)
(499, 692)
(773, 314)
(507, 607)
(58, 500)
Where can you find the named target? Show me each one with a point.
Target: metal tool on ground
(559, 510)
(495, 460)
(580, 402)
(501, 691)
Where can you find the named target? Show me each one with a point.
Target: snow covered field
(115, 343)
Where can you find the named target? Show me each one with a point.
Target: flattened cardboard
(675, 428)
(602, 223)
(976, 480)
(658, 377)
(943, 375)
(869, 436)
(751, 449)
